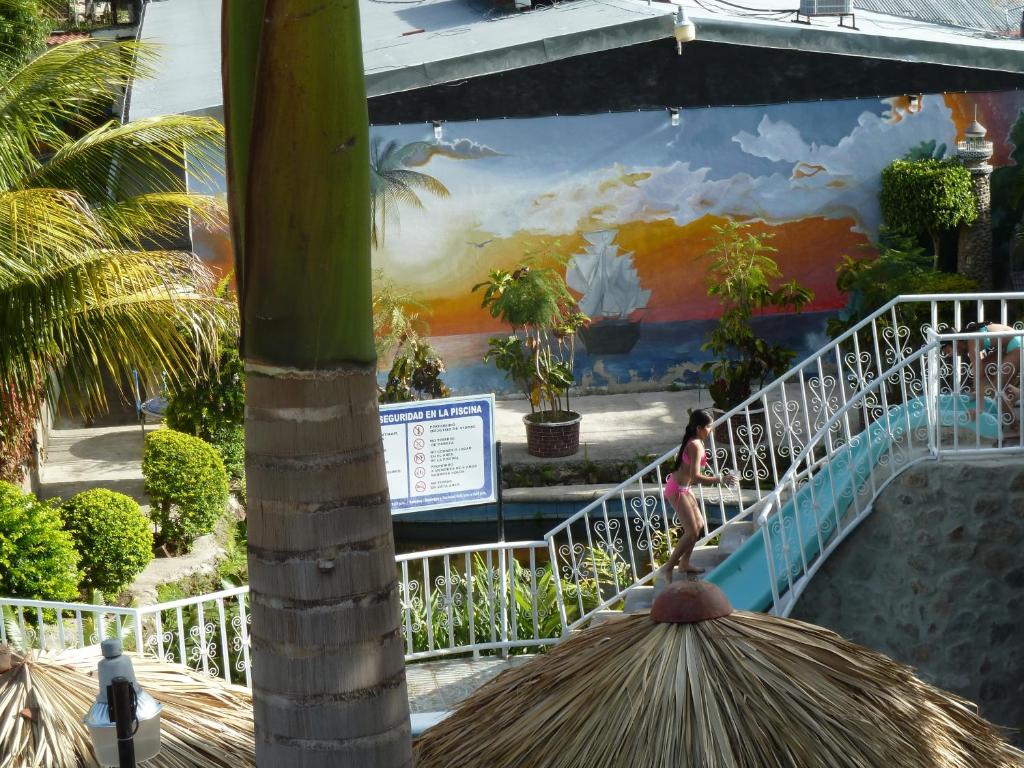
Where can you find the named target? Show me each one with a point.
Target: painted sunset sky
(809, 173)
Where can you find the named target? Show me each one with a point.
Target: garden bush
(112, 535)
(186, 480)
(37, 556)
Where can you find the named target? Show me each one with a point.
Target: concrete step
(638, 599)
(704, 557)
(604, 616)
(734, 534)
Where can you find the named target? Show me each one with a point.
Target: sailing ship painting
(611, 293)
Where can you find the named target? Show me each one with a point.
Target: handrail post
(137, 616)
(557, 576)
(934, 374)
(504, 603)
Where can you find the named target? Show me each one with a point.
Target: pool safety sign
(439, 453)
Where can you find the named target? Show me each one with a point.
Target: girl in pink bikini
(688, 471)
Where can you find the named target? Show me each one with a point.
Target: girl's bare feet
(667, 570)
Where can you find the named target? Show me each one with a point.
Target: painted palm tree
(328, 669)
(79, 295)
(393, 184)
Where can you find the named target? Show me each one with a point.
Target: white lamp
(139, 725)
(685, 31)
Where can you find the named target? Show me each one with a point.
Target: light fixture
(914, 102)
(124, 721)
(438, 130)
(674, 115)
(685, 31)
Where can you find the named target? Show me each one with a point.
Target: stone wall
(935, 578)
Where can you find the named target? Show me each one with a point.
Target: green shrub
(213, 408)
(112, 536)
(37, 556)
(929, 196)
(214, 402)
(229, 441)
(186, 480)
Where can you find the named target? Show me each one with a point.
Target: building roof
(418, 43)
(877, 35)
(968, 14)
(406, 45)
(59, 38)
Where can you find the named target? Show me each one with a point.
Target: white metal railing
(477, 598)
(783, 435)
(482, 598)
(871, 402)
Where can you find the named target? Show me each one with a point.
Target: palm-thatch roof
(742, 690)
(205, 723)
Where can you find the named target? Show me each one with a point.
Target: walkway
(613, 427)
(79, 459)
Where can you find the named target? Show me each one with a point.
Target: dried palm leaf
(742, 690)
(205, 723)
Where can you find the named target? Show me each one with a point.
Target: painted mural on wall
(627, 202)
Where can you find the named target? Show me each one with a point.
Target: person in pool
(688, 471)
(984, 357)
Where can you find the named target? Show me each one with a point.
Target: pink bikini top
(703, 459)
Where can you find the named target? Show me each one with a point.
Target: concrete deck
(613, 427)
(439, 686)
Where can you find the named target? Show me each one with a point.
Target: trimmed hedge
(186, 480)
(113, 538)
(37, 556)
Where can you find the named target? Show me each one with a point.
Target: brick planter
(558, 435)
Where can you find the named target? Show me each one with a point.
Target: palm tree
(328, 669)
(391, 183)
(79, 295)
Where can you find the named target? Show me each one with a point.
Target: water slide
(745, 576)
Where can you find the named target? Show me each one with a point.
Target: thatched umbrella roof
(736, 690)
(205, 723)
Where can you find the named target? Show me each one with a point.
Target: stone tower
(974, 254)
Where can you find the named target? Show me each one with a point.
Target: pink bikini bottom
(674, 489)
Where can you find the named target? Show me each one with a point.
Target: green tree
(393, 184)
(746, 279)
(328, 668)
(901, 266)
(24, 27)
(927, 196)
(79, 297)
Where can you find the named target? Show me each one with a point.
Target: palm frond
(40, 227)
(411, 179)
(116, 162)
(69, 85)
(108, 312)
(160, 215)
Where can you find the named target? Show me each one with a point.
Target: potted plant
(538, 355)
(746, 280)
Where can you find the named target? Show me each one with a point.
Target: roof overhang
(412, 46)
(877, 37)
(547, 34)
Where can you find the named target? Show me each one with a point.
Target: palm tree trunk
(328, 670)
